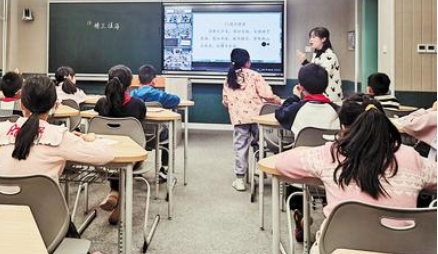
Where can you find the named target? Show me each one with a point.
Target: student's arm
(74, 148)
(285, 115)
(142, 111)
(225, 95)
(420, 124)
(428, 174)
(80, 96)
(301, 162)
(265, 91)
(168, 100)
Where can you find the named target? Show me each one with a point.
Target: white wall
(386, 35)
(28, 40)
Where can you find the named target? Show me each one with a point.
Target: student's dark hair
(119, 79)
(322, 32)
(368, 144)
(61, 76)
(379, 82)
(11, 83)
(147, 73)
(239, 57)
(38, 96)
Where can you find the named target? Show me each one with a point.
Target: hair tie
(370, 106)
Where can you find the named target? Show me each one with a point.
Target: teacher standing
(319, 40)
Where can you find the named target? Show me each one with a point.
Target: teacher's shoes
(239, 184)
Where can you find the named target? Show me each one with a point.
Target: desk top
(267, 120)
(158, 116)
(65, 111)
(125, 149)
(19, 233)
(267, 165)
(345, 251)
(93, 98)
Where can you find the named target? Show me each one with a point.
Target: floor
(209, 215)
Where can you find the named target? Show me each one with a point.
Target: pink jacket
(421, 125)
(245, 103)
(414, 174)
(51, 150)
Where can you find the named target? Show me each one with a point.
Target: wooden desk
(64, 112)
(19, 232)
(158, 118)
(127, 153)
(267, 166)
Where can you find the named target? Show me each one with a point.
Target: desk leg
(261, 176)
(157, 160)
(170, 170)
(280, 150)
(186, 141)
(275, 215)
(306, 217)
(128, 211)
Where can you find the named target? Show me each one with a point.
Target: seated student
(367, 162)
(118, 103)
(65, 80)
(378, 86)
(31, 146)
(315, 110)
(421, 124)
(11, 84)
(148, 93)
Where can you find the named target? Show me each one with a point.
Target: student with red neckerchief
(118, 103)
(315, 109)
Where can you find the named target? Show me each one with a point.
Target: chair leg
(289, 220)
(148, 236)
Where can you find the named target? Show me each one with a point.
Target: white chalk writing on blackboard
(103, 25)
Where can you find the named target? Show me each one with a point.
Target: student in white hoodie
(65, 81)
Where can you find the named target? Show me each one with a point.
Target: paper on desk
(149, 109)
(107, 141)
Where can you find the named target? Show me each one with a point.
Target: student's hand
(90, 137)
(434, 106)
(17, 71)
(297, 90)
(301, 56)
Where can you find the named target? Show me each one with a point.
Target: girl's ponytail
(368, 145)
(239, 58)
(115, 95)
(26, 136)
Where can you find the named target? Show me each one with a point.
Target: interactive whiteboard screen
(200, 38)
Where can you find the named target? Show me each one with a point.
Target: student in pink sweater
(244, 93)
(366, 163)
(32, 146)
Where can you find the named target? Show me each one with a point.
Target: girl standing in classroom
(244, 93)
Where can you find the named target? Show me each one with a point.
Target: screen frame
(278, 78)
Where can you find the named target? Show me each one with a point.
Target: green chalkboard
(93, 37)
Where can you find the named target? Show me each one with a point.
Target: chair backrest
(311, 136)
(359, 226)
(127, 126)
(272, 135)
(74, 120)
(46, 201)
(395, 113)
(12, 118)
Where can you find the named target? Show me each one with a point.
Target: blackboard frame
(87, 76)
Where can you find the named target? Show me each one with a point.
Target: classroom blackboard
(93, 37)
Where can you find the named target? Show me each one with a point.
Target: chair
(12, 118)
(46, 201)
(272, 139)
(308, 136)
(372, 230)
(74, 120)
(132, 128)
